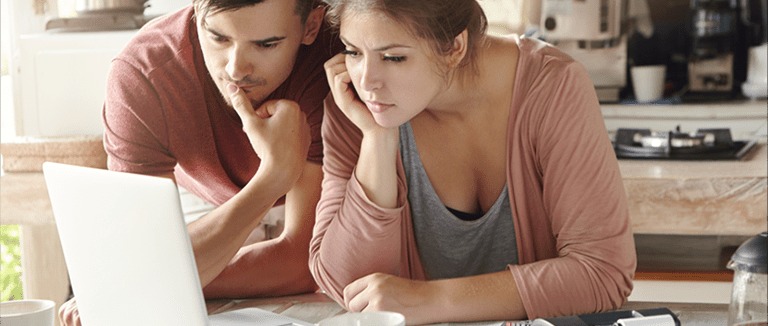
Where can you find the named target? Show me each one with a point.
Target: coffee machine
(714, 47)
(591, 32)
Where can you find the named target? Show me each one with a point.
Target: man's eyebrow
(268, 40)
(379, 49)
(262, 42)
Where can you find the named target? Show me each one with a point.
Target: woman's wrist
(377, 165)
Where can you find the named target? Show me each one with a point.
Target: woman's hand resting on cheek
(345, 95)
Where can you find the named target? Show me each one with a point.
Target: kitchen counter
(665, 197)
(698, 197)
(317, 306)
(745, 118)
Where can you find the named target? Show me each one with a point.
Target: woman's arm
(491, 296)
(353, 236)
(582, 199)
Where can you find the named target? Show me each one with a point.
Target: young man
(225, 97)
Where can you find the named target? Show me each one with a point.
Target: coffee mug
(27, 313)
(648, 82)
(377, 318)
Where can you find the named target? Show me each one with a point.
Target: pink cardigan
(575, 248)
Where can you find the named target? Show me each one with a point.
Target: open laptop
(127, 250)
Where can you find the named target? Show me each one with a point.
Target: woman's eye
(394, 58)
(268, 45)
(218, 39)
(349, 53)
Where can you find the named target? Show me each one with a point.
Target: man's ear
(458, 49)
(313, 24)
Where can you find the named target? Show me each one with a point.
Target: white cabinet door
(62, 82)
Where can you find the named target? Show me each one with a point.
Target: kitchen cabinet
(61, 81)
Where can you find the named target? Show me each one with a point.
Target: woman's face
(394, 73)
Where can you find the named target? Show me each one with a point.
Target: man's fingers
(238, 99)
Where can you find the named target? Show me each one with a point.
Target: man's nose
(238, 66)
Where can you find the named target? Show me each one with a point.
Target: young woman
(466, 176)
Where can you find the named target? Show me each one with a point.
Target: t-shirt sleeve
(312, 104)
(135, 131)
(310, 87)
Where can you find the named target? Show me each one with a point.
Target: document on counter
(253, 316)
(644, 317)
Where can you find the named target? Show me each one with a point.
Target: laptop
(127, 250)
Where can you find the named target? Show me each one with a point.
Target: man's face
(254, 47)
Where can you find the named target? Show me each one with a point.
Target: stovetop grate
(724, 148)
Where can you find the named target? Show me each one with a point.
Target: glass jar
(749, 296)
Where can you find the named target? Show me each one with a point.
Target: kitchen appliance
(106, 21)
(754, 15)
(704, 144)
(91, 7)
(102, 15)
(591, 32)
(749, 303)
(714, 47)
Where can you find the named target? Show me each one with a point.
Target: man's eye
(218, 39)
(350, 53)
(268, 45)
(394, 58)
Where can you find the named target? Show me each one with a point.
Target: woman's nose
(370, 79)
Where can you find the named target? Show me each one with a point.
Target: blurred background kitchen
(691, 203)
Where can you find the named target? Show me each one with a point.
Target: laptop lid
(126, 246)
(128, 254)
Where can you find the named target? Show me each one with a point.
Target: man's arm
(276, 266)
(279, 135)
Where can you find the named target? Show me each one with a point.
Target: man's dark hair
(205, 7)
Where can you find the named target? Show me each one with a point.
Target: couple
(449, 175)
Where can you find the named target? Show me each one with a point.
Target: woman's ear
(458, 49)
(313, 24)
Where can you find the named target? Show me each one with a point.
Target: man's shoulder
(166, 40)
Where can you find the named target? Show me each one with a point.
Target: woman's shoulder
(539, 61)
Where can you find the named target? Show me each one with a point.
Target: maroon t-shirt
(163, 112)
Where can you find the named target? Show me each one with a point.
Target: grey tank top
(450, 247)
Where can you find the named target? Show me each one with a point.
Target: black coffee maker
(716, 64)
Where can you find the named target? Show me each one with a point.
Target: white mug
(27, 313)
(372, 318)
(648, 82)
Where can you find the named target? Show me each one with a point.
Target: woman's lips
(377, 107)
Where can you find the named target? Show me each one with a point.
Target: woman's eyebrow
(378, 49)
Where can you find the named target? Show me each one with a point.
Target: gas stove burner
(704, 144)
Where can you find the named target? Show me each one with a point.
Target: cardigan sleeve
(582, 197)
(352, 237)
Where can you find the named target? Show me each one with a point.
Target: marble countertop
(698, 197)
(752, 165)
(678, 197)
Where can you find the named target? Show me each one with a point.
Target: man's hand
(68, 313)
(278, 132)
